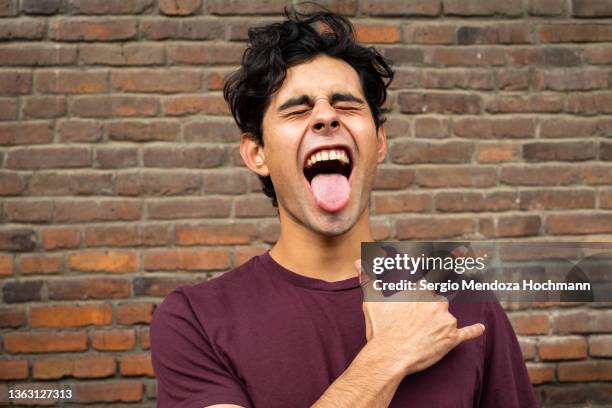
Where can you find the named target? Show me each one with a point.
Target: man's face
(321, 145)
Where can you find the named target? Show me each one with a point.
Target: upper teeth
(328, 154)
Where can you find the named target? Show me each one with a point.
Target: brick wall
(120, 177)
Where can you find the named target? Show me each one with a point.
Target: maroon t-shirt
(263, 336)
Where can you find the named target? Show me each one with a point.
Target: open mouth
(328, 172)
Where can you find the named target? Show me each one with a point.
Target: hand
(417, 332)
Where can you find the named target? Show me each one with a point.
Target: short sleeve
(506, 383)
(189, 372)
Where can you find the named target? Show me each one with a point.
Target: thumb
(470, 332)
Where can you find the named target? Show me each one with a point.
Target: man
(290, 328)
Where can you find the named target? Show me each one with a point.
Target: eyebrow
(307, 100)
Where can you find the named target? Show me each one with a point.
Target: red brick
(22, 291)
(45, 107)
(562, 348)
(598, 55)
(113, 340)
(547, 7)
(428, 228)
(496, 152)
(166, 81)
(184, 156)
(511, 33)
(512, 8)
(104, 261)
(86, 131)
(515, 226)
(136, 365)
(111, 157)
(71, 82)
(44, 342)
(186, 259)
(160, 286)
(111, 6)
(25, 134)
(16, 239)
(179, 8)
(541, 373)
(82, 183)
(464, 202)
(188, 208)
(145, 342)
(377, 33)
(484, 128)
(37, 55)
(12, 317)
(22, 29)
(139, 54)
(429, 34)
(134, 313)
(559, 151)
(41, 263)
(15, 82)
(243, 254)
(466, 57)
(108, 391)
(93, 366)
(432, 128)
(578, 224)
(28, 211)
(7, 266)
(212, 234)
(528, 348)
(583, 321)
(530, 323)
(89, 288)
(556, 200)
(591, 8)
(401, 203)
(534, 175)
(254, 206)
(60, 237)
(195, 104)
(245, 7)
(105, 106)
(411, 151)
(8, 109)
(225, 182)
(400, 8)
(11, 183)
(585, 371)
(448, 103)
(45, 7)
(144, 131)
(597, 175)
(33, 158)
(605, 199)
(589, 103)
(97, 210)
(203, 53)
(571, 32)
(456, 176)
(392, 178)
(543, 103)
(154, 183)
(9, 8)
(212, 130)
(76, 29)
(600, 346)
(13, 370)
(71, 316)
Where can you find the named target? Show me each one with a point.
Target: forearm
(370, 381)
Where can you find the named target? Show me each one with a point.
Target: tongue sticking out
(331, 191)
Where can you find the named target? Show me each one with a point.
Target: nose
(325, 120)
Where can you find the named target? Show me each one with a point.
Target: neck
(330, 258)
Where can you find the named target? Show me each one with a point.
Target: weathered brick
(71, 316)
(154, 183)
(245, 7)
(589, 103)
(17, 239)
(393, 178)
(254, 206)
(401, 203)
(428, 228)
(212, 130)
(562, 348)
(170, 208)
(41, 264)
(22, 29)
(203, 53)
(25, 133)
(464, 202)
(104, 261)
(512, 8)
(134, 312)
(541, 373)
(583, 321)
(113, 340)
(455, 176)
(484, 128)
(15, 82)
(97, 210)
(184, 156)
(90, 288)
(585, 371)
(107, 391)
(547, 7)
(160, 286)
(76, 29)
(9, 8)
(571, 32)
(530, 323)
(180, 8)
(166, 81)
(8, 108)
(115, 157)
(41, 6)
(454, 103)
(556, 200)
(95, 366)
(377, 33)
(410, 151)
(140, 54)
(28, 211)
(45, 342)
(45, 107)
(12, 317)
(591, 8)
(600, 346)
(85, 183)
(195, 104)
(37, 55)
(110, 6)
(212, 234)
(61, 237)
(186, 259)
(74, 130)
(457, 79)
(400, 8)
(34, 158)
(13, 370)
(559, 224)
(76, 82)
(540, 175)
(126, 235)
(496, 152)
(429, 34)
(224, 182)
(103, 106)
(21, 291)
(136, 365)
(559, 151)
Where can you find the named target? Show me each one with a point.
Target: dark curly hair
(274, 48)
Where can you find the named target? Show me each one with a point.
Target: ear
(253, 155)
(381, 143)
